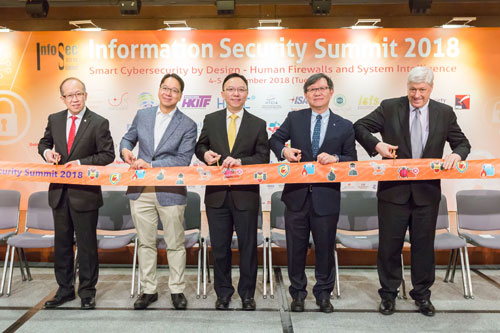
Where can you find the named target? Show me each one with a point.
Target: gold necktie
(231, 131)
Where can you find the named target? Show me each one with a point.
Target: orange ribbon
(278, 173)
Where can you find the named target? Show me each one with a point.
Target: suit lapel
(174, 122)
(404, 121)
(84, 123)
(433, 116)
(330, 128)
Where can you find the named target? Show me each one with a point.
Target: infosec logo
(146, 100)
(60, 51)
(196, 101)
(462, 102)
(221, 103)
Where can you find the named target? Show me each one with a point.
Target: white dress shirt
(161, 123)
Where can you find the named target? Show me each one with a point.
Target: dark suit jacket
(391, 120)
(339, 140)
(250, 146)
(93, 145)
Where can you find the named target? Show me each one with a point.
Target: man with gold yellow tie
(230, 138)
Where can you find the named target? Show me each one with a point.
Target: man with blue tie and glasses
(316, 134)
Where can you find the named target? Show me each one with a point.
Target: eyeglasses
(413, 91)
(70, 97)
(316, 90)
(232, 90)
(167, 90)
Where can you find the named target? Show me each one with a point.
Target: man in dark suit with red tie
(75, 136)
(412, 126)
(318, 135)
(233, 137)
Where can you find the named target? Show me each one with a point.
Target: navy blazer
(391, 120)
(339, 140)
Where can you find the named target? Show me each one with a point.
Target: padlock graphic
(8, 121)
(496, 112)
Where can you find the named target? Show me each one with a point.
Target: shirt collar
(170, 114)
(423, 109)
(324, 115)
(229, 113)
(79, 115)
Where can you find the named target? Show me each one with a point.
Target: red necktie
(72, 130)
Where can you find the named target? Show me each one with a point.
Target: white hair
(421, 74)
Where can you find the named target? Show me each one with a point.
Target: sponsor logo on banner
(273, 127)
(368, 102)
(231, 173)
(271, 103)
(260, 176)
(118, 103)
(352, 170)
(146, 100)
(93, 173)
(283, 170)
(339, 100)
(462, 102)
(405, 172)
(114, 178)
(57, 54)
(331, 176)
(462, 166)
(221, 103)
(139, 174)
(204, 174)
(196, 101)
(436, 166)
(488, 170)
(161, 175)
(378, 169)
(299, 101)
(308, 169)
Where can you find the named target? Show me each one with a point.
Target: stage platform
(355, 310)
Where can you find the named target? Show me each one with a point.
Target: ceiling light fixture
(85, 25)
(464, 20)
(177, 26)
(365, 24)
(270, 25)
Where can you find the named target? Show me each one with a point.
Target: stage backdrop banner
(122, 72)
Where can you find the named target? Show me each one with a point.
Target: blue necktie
(316, 135)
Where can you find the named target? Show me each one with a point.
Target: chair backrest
(442, 220)
(9, 208)
(358, 211)
(277, 214)
(192, 213)
(115, 214)
(478, 209)
(39, 214)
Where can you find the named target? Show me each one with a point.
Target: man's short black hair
(230, 76)
(175, 76)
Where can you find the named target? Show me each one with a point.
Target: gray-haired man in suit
(166, 138)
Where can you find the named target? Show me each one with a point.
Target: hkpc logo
(196, 101)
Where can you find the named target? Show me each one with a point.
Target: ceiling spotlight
(321, 7)
(176, 25)
(37, 8)
(4, 29)
(85, 25)
(420, 6)
(269, 25)
(225, 7)
(130, 7)
(365, 24)
(464, 20)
